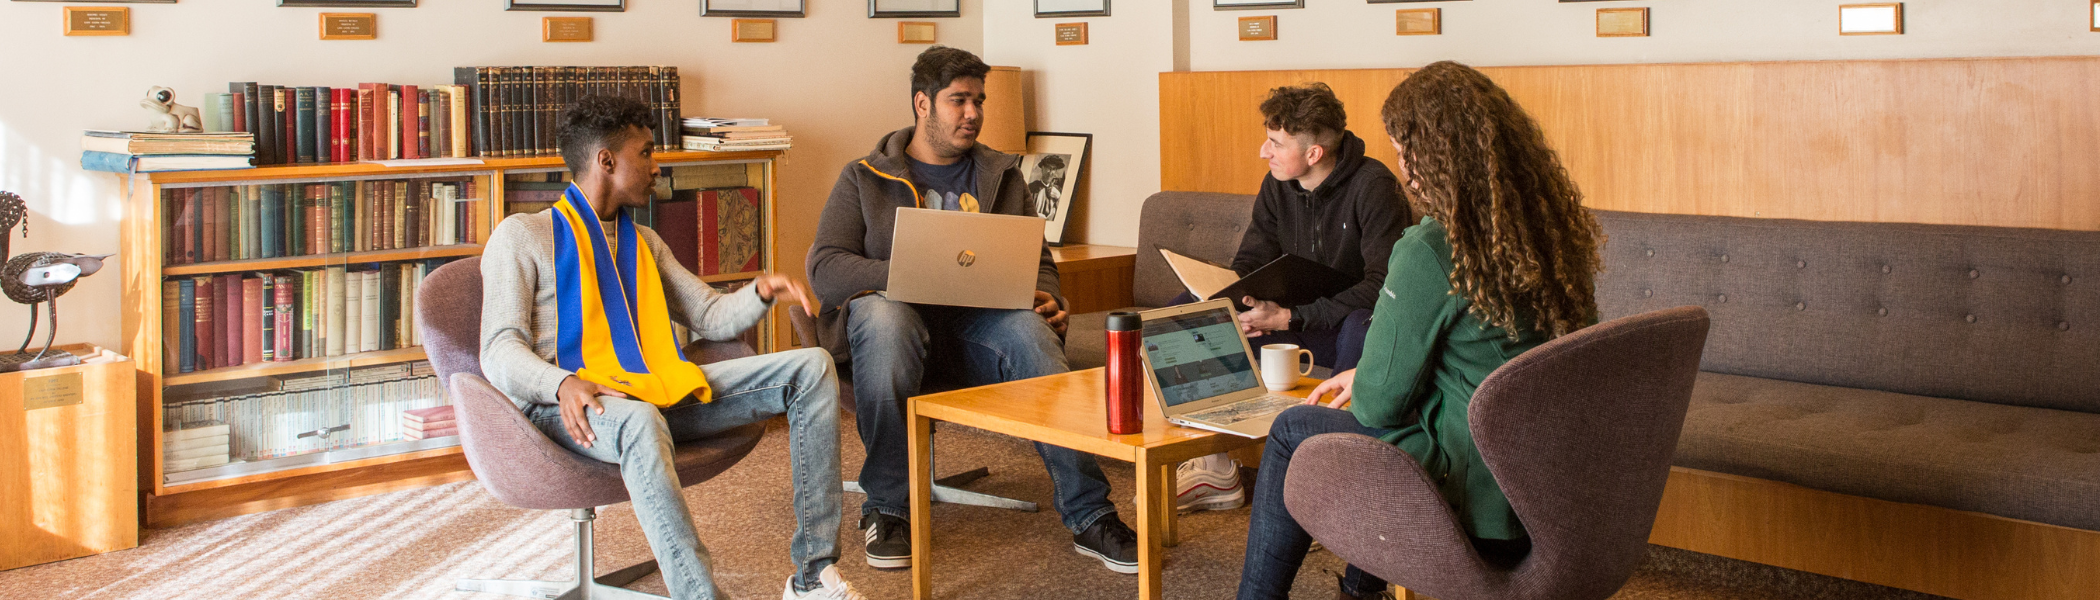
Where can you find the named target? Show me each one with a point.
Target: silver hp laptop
(965, 259)
(1203, 372)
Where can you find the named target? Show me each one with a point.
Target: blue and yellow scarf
(614, 324)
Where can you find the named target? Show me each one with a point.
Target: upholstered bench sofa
(1912, 405)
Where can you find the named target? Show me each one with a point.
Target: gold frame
(1436, 21)
(904, 32)
(1083, 35)
(66, 23)
(547, 26)
(1270, 25)
(736, 30)
(1895, 5)
(371, 19)
(1642, 11)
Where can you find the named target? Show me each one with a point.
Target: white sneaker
(1209, 483)
(834, 588)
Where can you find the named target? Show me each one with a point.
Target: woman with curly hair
(1504, 259)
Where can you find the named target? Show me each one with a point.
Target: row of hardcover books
(234, 319)
(516, 109)
(374, 121)
(280, 220)
(318, 413)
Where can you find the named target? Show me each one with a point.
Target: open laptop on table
(955, 258)
(1202, 371)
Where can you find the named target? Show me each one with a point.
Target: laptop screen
(1197, 355)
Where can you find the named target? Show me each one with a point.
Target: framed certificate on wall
(751, 8)
(1255, 4)
(1070, 8)
(882, 9)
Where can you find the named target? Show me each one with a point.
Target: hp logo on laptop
(967, 258)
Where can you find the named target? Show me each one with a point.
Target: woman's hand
(1339, 386)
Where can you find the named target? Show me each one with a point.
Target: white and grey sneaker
(834, 588)
(1209, 483)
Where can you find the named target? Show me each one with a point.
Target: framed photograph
(1410, 1)
(1255, 4)
(752, 8)
(349, 3)
(107, 1)
(883, 9)
(1051, 169)
(1070, 8)
(567, 5)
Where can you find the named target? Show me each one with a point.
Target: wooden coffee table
(1065, 410)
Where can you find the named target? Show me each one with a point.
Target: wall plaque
(51, 391)
(565, 29)
(1257, 28)
(1622, 22)
(1071, 34)
(1420, 21)
(915, 32)
(82, 20)
(349, 26)
(1871, 19)
(752, 30)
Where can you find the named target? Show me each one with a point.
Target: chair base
(944, 491)
(605, 587)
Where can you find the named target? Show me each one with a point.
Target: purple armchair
(1579, 432)
(521, 466)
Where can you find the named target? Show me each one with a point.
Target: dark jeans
(897, 346)
(1337, 349)
(1276, 545)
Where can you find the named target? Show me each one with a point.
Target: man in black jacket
(892, 347)
(1322, 200)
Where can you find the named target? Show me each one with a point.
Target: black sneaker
(1112, 542)
(889, 541)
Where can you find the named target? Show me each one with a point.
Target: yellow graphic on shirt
(968, 203)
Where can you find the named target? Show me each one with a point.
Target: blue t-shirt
(947, 187)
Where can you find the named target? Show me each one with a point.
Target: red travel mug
(1125, 388)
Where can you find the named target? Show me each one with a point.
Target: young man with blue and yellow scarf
(577, 306)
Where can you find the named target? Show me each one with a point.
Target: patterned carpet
(413, 544)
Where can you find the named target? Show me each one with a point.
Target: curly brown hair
(1310, 110)
(1523, 249)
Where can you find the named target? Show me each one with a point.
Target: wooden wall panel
(2004, 142)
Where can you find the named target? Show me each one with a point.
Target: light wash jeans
(896, 345)
(638, 436)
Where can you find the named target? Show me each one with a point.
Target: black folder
(1290, 281)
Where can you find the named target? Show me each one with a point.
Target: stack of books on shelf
(320, 124)
(198, 445)
(241, 222)
(267, 418)
(233, 319)
(149, 152)
(426, 423)
(515, 109)
(734, 135)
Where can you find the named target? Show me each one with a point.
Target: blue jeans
(1276, 545)
(892, 343)
(639, 436)
(1339, 349)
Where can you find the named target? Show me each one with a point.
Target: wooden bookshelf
(144, 270)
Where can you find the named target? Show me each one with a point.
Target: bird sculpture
(37, 277)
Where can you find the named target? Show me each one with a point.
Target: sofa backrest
(2000, 315)
(1204, 225)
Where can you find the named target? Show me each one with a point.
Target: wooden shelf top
(321, 260)
(367, 169)
(361, 359)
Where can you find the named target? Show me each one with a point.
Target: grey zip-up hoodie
(850, 257)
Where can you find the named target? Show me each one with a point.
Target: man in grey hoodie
(892, 347)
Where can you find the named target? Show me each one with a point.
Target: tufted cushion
(2025, 463)
(1199, 224)
(2000, 315)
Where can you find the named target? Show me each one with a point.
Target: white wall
(1110, 87)
(837, 79)
(1357, 34)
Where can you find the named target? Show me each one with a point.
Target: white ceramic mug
(1283, 364)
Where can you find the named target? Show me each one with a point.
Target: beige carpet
(413, 544)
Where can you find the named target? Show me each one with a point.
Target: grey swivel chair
(521, 466)
(1579, 433)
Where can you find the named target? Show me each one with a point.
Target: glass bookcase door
(290, 317)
